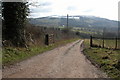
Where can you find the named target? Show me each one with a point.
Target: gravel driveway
(62, 62)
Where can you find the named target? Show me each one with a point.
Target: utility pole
(67, 20)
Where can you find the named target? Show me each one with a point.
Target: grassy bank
(12, 55)
(108, 43)
(107, 60)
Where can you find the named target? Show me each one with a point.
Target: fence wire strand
(110, 43)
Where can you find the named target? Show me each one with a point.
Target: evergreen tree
(14, 19)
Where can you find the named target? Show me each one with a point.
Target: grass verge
(107, 60)
(107, 43)
(13, 55)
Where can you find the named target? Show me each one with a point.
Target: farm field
(107, 43)
(107, 60)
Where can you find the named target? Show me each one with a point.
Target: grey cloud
(42, 10)
(41, 7)
(46, 4)
(39, 4)
(71, 8)
(89, 10)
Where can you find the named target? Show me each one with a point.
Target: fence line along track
(110, 43)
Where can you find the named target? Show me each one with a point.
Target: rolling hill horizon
(74, 21)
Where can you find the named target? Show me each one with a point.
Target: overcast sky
(99, 8)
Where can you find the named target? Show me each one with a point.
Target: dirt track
(62, 62)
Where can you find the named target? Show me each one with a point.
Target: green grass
(86, 30)
(107, 43)
(119, 44)
(13, 55)
(106, 59)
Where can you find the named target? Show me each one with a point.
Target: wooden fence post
(116, 43)
(46, 39)
(91, 41)
(103, 42)
(53, 39)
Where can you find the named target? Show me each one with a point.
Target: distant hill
(74, 21)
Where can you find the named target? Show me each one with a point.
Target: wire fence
(110, 43)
